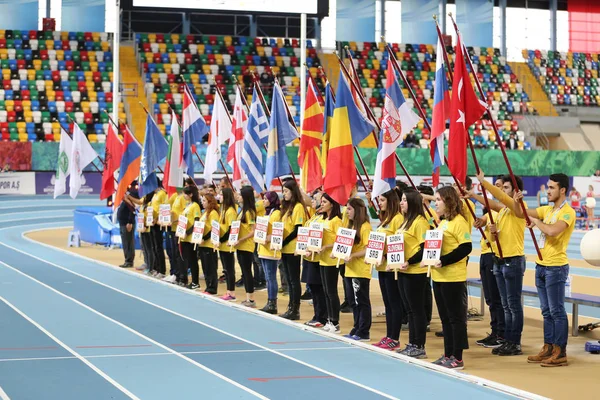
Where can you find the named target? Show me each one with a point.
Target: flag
(64, 163)
(369, 140)
(281, 132)
(236, 139)
(130, 164)
(112, 159)
(349, 127)
(194, 129)
(155, 150)
(398, 120)
(220, 129)
(441, 112)
(82, 154)
(173, 172)
(312, 135)
(465, 110)
(327, 121)
(257, 134)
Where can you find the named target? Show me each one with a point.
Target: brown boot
(545, 353)
(558, 358)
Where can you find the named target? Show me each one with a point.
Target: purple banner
(44, 183)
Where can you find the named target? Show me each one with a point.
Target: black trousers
(208, 258)
(315, 285)
(428, 301)
(412, 291)
(291, 269)
(175, 258)
(228, 261)
(191, 262)
(128, 243)
(158, 250)
(357, 296)
(491, 293)
(392, 303)
(259, 272)
(245, 259)
(329, 277)
(146, 239)
(451, 300)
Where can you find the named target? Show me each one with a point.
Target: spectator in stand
(247, 79)
(575, 197)
(511, 143)
(480, 142)
(410, 141)
(266, 80)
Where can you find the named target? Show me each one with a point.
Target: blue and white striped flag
(257, 132)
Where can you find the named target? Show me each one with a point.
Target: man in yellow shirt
(556, 223)
(160, 265)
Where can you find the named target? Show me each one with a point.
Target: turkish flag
(112, 161)
(466, 108)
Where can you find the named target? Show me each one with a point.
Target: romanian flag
(130, 164)
(369, 141)
(327, 122)
(349, 127)
(312, 132)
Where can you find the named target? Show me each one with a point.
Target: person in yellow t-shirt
(160, 265)
(270, 258)
(227, 216)
(449, 276)
(413, 283)
(208, 255)
(245, 244)
(556, 222)
(358, 273)
(192, 213)
(146, 235)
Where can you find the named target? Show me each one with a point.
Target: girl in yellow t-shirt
(208, 256)
(413, 283)
(358, 273)
(450, 275)
(245, 244)
(269, 258)
(192, 213)
(228, 215)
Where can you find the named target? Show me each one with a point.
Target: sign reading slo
(301, 241)
(260, 230)
(277, 236)
(395, 250)
(433, 246)
(181, 227)
(374, 252)
(342, 247)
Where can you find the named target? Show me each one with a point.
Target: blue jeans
(270, 267)
(550, 283)
(509, 277)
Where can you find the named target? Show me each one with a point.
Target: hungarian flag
(112, 161)
(173, 177)
(310, 141)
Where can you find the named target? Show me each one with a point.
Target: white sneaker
(327, 326)
(170, 279)
(335, 328)
(159, 276)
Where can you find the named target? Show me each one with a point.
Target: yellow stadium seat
(23, 137)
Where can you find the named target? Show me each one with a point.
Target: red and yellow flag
(309, 154)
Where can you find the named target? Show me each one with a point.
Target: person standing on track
(160, 266)
(208, 254)
(228, 215)
(126, 219)
(192, 212)
(268, 257)
(245, 245)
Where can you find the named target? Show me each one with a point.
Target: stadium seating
(169, 61)
(49, 75)
(567, 78)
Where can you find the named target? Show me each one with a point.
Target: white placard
(181, 227)
(19, 182)
(215, 232)
(375, 246)
(344, 240)
(433, 246)
(234, 233)
(315, 237)
(395, 250)
(260, 230)
(164, 215)
(277, 236)
(301, 241)
(198, 232)
(139, 222)
(149, 216)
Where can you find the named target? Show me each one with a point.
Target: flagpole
(500, 144)
(99, 158)
(290, 118)
(179, 122)
(150, 115)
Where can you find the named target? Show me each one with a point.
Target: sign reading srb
(374, 251)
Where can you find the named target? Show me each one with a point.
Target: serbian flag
(194, 129)
(173, 177)
(441, 112)
(130, 164)
(465, 110)
(349, 127)
(112, 160)
(310, 141)
(236, 140)
(397, 121)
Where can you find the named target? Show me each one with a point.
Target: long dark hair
(335, 208)
(274, 203)
(228, 201)
(452, 204)
(288, 206)
(392, 209)
(193, 192)
(414, 207)
(360, 216)
(248, 202)
(148, 198)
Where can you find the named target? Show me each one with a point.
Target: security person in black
(126, 219)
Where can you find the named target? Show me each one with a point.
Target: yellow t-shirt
(142, 210)
(245, 229)
(511, 233)
(414, 236)
(357, 267)
(208, 219)
(260, 208)
(177, 202)
(485, 249)
(389, 229)
(456, 232)
(191, 212)
(330, 228)
(554, 249)
(225, 219)
(467, 214)
(159, 198)
(264, 250)
(297, 217)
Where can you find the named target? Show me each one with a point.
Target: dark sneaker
(487, 339)
(494, 343)
(345, 308)
(453, 363)
(239, 283)
(511, 350)
(440, 361)
(260, 286)
(497, 350)
(306, 296)
(415, 352)
(439, 334)
(193, 286)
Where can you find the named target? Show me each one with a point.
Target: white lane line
(306, 364)
(70, 350)
(29, 219)
(197, 364)
(3, 395)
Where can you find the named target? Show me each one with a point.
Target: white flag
(175, 177)
(64, 163)
(220, 131)
(82, 154)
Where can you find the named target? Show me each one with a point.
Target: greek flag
(257, 132)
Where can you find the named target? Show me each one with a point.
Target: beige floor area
(580, 378)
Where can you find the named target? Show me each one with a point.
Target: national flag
(173, 172)
(441, 112)
(327, 122)
(312, 135)
(465, 110)
(112, 159)
(257, 134)
(398, 120)
(82, 154)
(194, 129)
(281, 132)
(64, 163)
(349, 127)
(236, 140)
(220, 130)
(369, 141)
(130, 164)
(155, 150)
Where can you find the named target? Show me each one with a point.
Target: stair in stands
(130, 74)
(531, 85)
